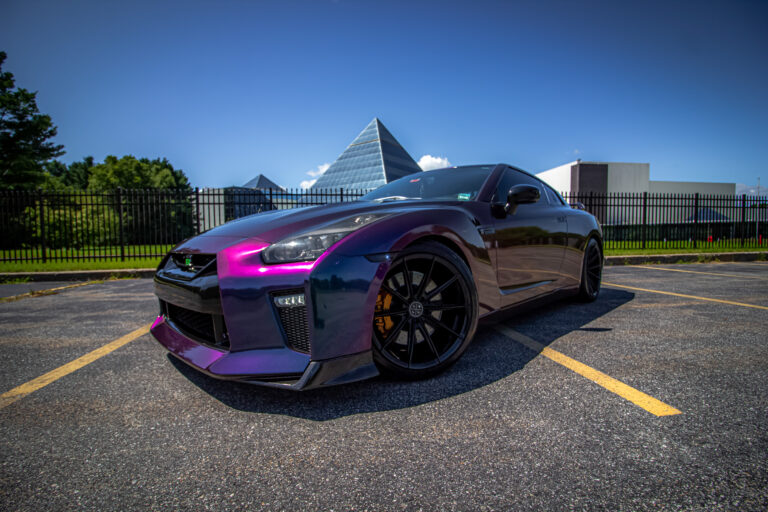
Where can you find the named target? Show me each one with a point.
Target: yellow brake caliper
(383, 303)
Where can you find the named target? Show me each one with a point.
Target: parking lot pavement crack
(49, 291)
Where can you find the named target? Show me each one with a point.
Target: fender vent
(293, 320)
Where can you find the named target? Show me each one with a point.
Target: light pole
(757, 213)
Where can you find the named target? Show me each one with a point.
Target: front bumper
(277, 368)
(251, 341)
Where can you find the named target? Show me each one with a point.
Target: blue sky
(229, 89)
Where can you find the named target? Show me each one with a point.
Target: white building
(608, 177)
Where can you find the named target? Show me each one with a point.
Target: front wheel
(591, 272)
(426, 312)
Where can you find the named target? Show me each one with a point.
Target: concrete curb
(79, 275)
(645, 259)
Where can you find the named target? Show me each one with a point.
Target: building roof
(373, 159)
(261, 181)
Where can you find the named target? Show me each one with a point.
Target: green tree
(60, 177)
(132, 173)
(24, 136)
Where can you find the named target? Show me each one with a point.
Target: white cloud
(576, 151)
(320, 170)
(429, 162)
(315, 173)
(307, 183)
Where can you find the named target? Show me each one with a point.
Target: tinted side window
(511, 178)
(554, 197)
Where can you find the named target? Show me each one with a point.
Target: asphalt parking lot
(507, 428)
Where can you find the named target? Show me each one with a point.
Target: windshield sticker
(464, 197)
(417, 179)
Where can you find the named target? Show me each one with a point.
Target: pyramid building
(261, 181)
(373, 159)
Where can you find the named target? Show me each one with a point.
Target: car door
(530, 242)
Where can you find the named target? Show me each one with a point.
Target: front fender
(344, 285)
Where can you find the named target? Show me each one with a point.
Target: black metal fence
(130, 224)
(678, 221)
(144, 224)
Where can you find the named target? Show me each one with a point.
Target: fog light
(289, 301)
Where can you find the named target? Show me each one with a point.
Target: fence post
(43, 244)
(695, 218)
(197, 210)
(120, 221)
(341, 195)
(743, 217)
(645, 219)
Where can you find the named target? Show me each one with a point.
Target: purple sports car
(393, 283)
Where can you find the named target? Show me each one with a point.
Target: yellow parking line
(20, 392)
(686, 296)
(698, 272)
(647, 402)
(48, 291)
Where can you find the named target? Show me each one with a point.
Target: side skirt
(528, 305)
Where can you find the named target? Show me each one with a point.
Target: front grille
(294, 322)
(194, 263)
(207, 328)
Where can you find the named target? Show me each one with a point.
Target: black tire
(591, 272)
(426, 312)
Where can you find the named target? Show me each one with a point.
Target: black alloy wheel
(592, 272)
(426, 312)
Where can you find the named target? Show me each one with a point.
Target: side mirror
(578, 205)
(521, 194)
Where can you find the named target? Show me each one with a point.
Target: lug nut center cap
(416, 309)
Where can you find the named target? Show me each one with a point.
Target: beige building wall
(211, 212)
(691, 187)
(627, 177)
(559, 178)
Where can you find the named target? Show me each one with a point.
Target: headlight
(310, 246)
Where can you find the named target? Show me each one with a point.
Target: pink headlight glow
(243, 260)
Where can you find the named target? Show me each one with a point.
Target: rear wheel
(591, 272)
(426, 312)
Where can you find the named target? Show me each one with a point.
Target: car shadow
(491, 357)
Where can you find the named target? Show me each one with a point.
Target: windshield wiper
(394, 198)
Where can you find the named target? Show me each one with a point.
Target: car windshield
(458, 184)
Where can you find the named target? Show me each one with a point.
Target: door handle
(487, 231)
(561, 219)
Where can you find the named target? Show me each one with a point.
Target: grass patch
(687, 250)
(59, 266)
(15, 280)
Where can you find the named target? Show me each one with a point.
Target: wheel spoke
(437, 323)
(392, 336)
(382, 314)
(425, 280)
(439, 306)
(395, 294)
(441, 288)
(408, 283)
(411, 342)
(428, 338)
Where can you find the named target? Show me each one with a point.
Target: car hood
(277, 225)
